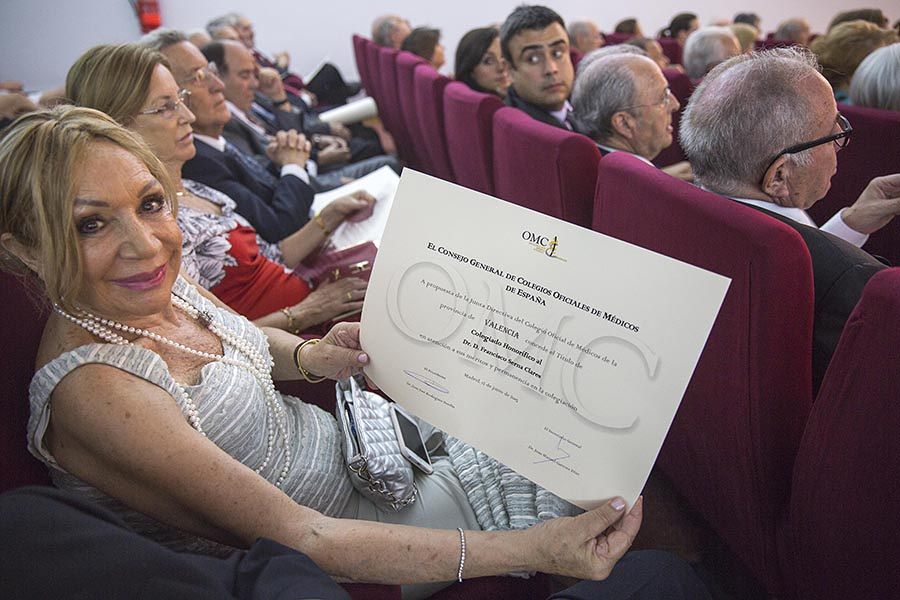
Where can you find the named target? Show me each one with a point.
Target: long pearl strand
(258, 366)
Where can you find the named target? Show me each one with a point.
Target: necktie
(569, 123)
(255, 169)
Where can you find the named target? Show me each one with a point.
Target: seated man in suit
(623, 102)
(534, 42)
(252, 124)
(763, 129)
(275, 200)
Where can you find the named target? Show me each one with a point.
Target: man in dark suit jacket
(251, 125)
(764, 129)
(534, 42)
(275, 199)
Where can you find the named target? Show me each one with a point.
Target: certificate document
(558, 351)
(381, 184)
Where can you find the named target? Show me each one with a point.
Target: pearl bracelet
(462, 554)
(303, 372)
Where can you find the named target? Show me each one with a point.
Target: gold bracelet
(321, 223)
(303, 372)
(286, 311)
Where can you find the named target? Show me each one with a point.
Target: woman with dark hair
(681, 26)
(630, 27)
(425, 42)
(479, 63)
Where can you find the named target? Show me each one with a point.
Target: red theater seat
(845, 502)
(468, 125)
(672, 49)
(731, 447)
(429, 94)
(544, 168)
(407, 64)
(362, 61)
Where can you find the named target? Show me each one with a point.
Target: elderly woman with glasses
(154, 399)
(222, 252)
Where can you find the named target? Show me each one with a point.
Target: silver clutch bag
(371, 449)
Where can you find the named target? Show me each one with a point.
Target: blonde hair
(846, 45)
(41, 154)
(114, 78)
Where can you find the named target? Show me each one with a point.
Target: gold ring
(349, 297)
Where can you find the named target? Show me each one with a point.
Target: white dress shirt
(835, 225)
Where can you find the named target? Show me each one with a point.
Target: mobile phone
(412, 446)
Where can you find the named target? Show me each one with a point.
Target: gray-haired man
(764, 129)
(623, 102)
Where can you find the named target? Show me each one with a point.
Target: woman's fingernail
(617, 503)
(362, 357)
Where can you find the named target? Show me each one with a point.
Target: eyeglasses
(666, 100)
(201, 76)
(167, 110)
(840, 139)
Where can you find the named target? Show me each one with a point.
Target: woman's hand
(337, 355)
(357, 204)
(589, 545)
(330, 300)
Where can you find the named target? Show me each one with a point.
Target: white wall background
(40, 39)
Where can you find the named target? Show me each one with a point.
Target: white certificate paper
(381, 184)
(560, 352)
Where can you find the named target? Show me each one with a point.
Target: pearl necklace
(258, 365)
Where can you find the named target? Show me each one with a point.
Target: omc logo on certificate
(543, 243)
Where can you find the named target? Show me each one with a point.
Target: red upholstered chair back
(407, 64)
(846, 494)
(429, 88)
(362, 61)
(544, 168)
(390, 109)
(575, 55)
(23, 323)
(682, 88)
(617, 38)
(874, 150)
(373, 64)
(468, 125)
(730, 451)
(671, 48)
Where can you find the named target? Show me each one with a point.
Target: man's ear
(776, 180)
(25, 254)
(623, 124)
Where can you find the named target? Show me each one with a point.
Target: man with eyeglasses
(253, 124)
(534, 42)
(275, 199)
(763, 129)
(623, 102)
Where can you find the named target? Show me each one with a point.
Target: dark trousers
(642, 575)
(53, 545)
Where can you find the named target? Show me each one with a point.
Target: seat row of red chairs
(445, 129)
(750, 450)
(805, 493)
